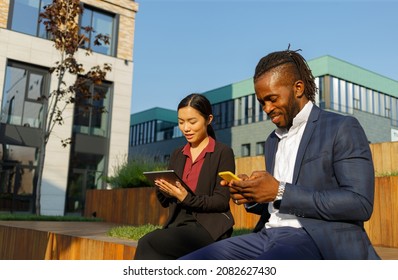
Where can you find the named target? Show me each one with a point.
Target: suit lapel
(180, 163)
(309, 130)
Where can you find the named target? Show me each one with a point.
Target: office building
(98, 139)
(240, 122)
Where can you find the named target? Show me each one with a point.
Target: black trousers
(173, 242)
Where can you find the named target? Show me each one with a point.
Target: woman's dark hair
(301, 69)
(202, 105)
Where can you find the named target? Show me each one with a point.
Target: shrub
(128, 174)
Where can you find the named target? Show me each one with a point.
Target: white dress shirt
(285, 160)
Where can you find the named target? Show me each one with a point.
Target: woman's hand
(177, 190)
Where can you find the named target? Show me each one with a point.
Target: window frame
(45, 90)
(246, 150)
(39, 26)
(91, 128)
(115, 24)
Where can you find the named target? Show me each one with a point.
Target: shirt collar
(299, 119)
(208, 149)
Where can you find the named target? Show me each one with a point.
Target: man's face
(277, 93)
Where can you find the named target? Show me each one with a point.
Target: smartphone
(228, 176)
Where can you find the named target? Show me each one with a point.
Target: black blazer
(333, 185)
(210, 203)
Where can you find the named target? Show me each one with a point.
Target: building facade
(98, 139)
(240, 122)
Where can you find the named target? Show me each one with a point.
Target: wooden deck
(40, 240)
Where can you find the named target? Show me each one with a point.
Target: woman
(201, 215)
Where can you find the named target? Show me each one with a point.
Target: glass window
(245, 150)
(230, 113)
(369, 97)
(342, 96)
(24, 85)
(223, 114)
(102, 23)
(217, 113)
(334, 92)
(356, 97)
(243, 104)
(86, 172)
(319, 97)
(363, 99)
(350, 93)
(25, 17)
(388, 106)
(17, 177)
(376, 101)
(394, 112)
(382, 105)
(260, 148)
(92, 110)
(249, 110)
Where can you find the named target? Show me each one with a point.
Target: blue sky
(185, 46)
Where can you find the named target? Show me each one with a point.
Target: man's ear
(299, 88)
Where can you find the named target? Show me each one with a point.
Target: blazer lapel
(309, 129)
(180, 163)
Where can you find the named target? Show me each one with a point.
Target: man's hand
(260, 187)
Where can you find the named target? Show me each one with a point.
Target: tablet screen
(167, 175)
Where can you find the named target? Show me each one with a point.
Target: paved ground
(98, 231)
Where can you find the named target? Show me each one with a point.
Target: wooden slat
(382, 226)
(385, 157)
(61, 241)
(246, 165)
(394, 210)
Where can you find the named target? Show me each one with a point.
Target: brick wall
(4, 4)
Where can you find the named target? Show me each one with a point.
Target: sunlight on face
(276, 94)
(192, 124)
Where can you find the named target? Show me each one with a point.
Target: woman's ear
(209, 119)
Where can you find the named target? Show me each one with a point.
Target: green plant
(131, 232)
(386, 174)
(128, 174)
(136, 232)
(240, 231)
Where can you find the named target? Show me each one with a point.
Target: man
(319, 185)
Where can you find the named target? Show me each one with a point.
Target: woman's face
(193, 125)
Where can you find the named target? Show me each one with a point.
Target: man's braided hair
(288, 56)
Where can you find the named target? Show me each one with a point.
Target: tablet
(167, 175)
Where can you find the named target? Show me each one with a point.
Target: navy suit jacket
(333, 185)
